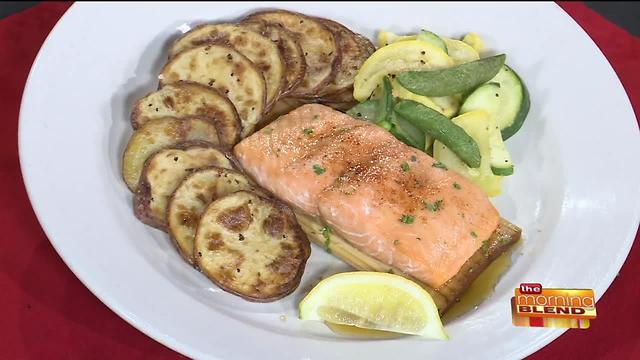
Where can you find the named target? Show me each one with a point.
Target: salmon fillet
(286, 156)
(385, 198)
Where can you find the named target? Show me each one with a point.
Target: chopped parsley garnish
(434, 206)
(307, 131)
(407, 219)
(473, 234)
(439, 165)
(396, 242)
(405, 167)
(326, 234)
(414, 158)
(457, 186)
(319, 170)
(268, 131)
(316, 117)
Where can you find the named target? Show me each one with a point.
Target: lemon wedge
(376, 301)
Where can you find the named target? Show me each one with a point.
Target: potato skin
(186, 99)
(159, 134)
(354, 51)
(191, 198)
(222, 67)
(319, 44)
(143, 198)
(290, 49)
(225, 241)
(262, 52)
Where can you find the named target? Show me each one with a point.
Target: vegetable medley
(439, 95)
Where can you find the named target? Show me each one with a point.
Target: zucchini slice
(461, 52)
(432, 38)
(487, 97)
(397, 57)
(514, 101)
(474, 40)
(478, 125)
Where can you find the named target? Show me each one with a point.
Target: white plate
(575, 192)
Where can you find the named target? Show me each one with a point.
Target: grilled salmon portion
(385, 198)
(302, 153)
(405, 212)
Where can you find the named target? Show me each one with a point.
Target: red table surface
(47, 313)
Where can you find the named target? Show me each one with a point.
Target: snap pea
(401, 128)
(367, 110)
(442, 129)
(455, 80)
(386, 101)
(406, 132)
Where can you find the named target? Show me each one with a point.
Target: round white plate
(576, 189)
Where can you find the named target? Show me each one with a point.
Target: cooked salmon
(385, 198)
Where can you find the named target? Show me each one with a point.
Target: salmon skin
(390, 201)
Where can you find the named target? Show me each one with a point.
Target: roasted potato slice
(164, 171)
(320, 47)
(159, 134)
(282, 107)
(263, 52)
(369, 47)
(353, 53)
(295, 65)
(340, 106)
(226, 70)
(184, 99)
(344, 96)
(191, 199)
(251, 246)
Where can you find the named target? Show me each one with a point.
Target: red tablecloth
(47, 313)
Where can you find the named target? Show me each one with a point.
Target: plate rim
(182, 348)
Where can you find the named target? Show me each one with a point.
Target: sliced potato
(320, 47)
(353, 53)
(191, 199)
(163, 172)
(184, 99)
(366, 44)
(282, 107)
(263, 52)
(251, 246)
(159, 134)
(344, 96)
(292, 54)
(340, 106)
(226, 70)
(394, 58)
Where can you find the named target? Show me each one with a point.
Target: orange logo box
(534, 306)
